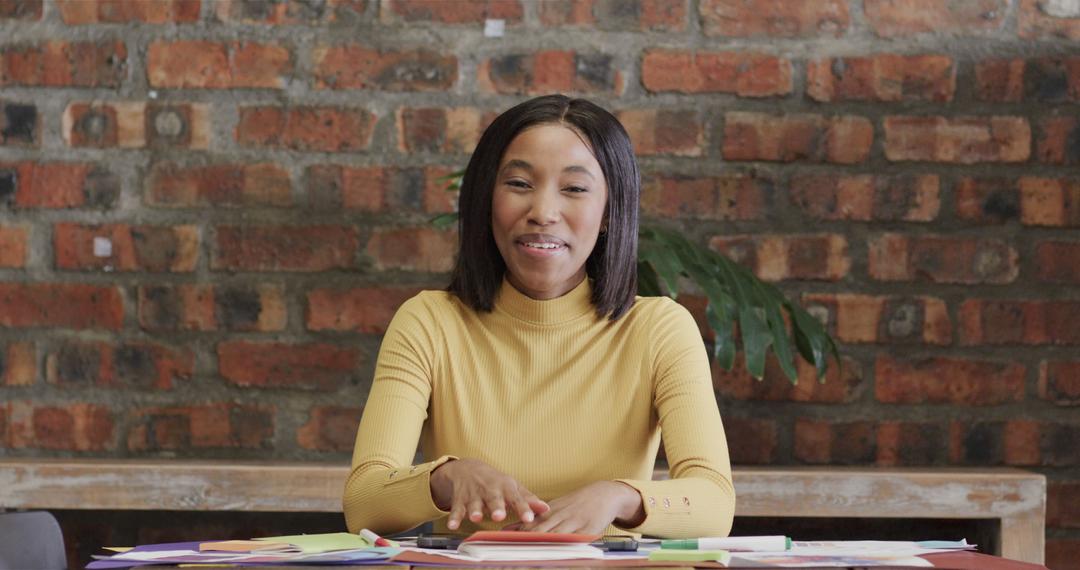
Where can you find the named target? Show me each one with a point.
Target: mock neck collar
(575, 303)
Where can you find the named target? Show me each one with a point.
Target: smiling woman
(539, 383)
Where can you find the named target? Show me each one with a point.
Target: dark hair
(479, 269)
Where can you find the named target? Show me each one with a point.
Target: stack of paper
(333, 548)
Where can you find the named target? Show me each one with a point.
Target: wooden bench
(1015, 498)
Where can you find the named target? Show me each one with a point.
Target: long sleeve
(384, 491)
(699, 499)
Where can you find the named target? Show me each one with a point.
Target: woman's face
(547, 208)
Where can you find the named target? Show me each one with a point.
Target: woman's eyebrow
(581, 169)
(516, 163)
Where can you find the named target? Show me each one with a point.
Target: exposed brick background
(210, 209)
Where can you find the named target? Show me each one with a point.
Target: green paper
(319, 543)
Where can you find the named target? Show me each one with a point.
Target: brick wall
(209, 210)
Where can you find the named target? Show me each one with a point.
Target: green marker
(721, 556)
(745, 543)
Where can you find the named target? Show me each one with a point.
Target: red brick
(942, 259)
(948, 381)
(779, 257)
(359, 67)
(1049, 202)
(290, 12)
(774, 18)
(279, 365)
(199, 64)
(835, 443)
(318, 129)
(285, 248)
(1059, 382)
(79, 12)
(895, 18)
(1013, 442)
(259, 307)
(62, 305)
(745, 74)
(842, 383)
(18, 364)
(1052, 79)
(985, 321)
(19, 124)
(1022, 443)
(379, 189)
(1000, 80)
(663, 131)
(1058, 140)
(1058, 262)
(786, 138)
(616, 15)
(964, 140)
(64, 64)
(137, 125)
(1063, 505)
(413, 249)
(26, 10)
(911, 443)
(1058, 444)
(365, 310)
(440, 129)
(330, 428)
(722, 197)
(885, 77)
(65, 427)
(987, 200)
(549, 71)
(866, 197)
(459, 12)
(1040, 19)
(220, 425)
(132, 248)
(13, 246)
(855, 318)
(246, 185)
(756, 444)
(125, 365)
(57, 185)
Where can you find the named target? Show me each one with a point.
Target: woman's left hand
(590, 509)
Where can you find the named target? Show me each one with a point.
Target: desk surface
(1016, 498)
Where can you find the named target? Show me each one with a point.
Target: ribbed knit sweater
(552, 395)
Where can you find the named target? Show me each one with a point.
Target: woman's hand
(590, 510)
(470, 486)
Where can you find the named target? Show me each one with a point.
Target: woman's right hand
(472, 487)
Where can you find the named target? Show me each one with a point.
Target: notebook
(523, 545)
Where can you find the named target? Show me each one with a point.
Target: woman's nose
(544, 209)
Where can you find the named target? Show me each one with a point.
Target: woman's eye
(576, 189)
(517, 183)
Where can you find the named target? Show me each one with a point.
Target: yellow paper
(242, 546)
(119, 548)
(317, 543)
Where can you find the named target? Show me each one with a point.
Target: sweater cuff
(659, 505)
(412, 486)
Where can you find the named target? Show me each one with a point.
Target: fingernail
(498, 513)
(527, 517)
(451, 524)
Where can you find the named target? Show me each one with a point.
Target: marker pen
(746, 543)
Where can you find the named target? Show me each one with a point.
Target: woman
(538, 381)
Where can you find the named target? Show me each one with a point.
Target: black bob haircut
(479, 269)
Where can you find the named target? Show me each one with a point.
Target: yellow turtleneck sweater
(550, 394)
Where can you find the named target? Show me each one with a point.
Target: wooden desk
(1014, 497)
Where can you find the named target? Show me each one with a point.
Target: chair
(31, 540)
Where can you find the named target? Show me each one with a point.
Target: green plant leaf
(755, 339)
(722, 322)
(444, 221)
(648, 284)
(664, 262)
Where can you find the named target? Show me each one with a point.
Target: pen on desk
(751, 543)
(374, 539)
